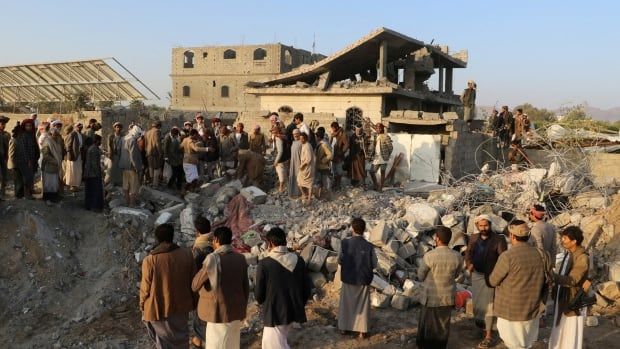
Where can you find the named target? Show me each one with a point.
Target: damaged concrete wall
(466, 152)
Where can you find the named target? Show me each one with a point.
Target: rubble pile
(400, 226)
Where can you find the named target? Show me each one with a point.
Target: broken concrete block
(317, 279)
(380, 233)
(252, 238)
(331, 264)
(209, 189)
(254, 195)
(114, 203)
(535, 176)
(225, 194)
(575, 218)
(390, 290)
(592, 227)
(406, 250)
(173, 210)
(400, 302)
(598, 202)
(163, 218)
(409, 285)
(187, 220)
(380, 300)
(318, 258)
(159, 197)
(614, 271)
(378, 282)
(307, 252)
(592, 321)
(392, 246)
(421, 216)
(235, 184)
(122, 215)
(609, 290)
(385, 265)
(401, 235)
(561, 220)
(336, 244)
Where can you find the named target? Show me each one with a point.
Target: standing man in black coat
(282, 289)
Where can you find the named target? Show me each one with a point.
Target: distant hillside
(612, 114)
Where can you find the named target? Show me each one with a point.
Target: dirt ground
(70, 280)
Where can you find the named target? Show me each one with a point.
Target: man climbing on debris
(483, 250)
(518, 278)
(357, 260)
(380, 152)
(166, 296)
(223, 286)
(438, 271)
(282, 289)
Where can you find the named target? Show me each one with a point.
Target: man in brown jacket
(518, 278)
(154, 152)
(340, 145)
(223, 286)
(166, 296)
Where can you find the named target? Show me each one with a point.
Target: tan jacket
(438, 271)
(258, 144)
(191, 149)
(518, 278)
(323, 156)
(228, 302)
(152, 143)
(165, 288)
(569, 284)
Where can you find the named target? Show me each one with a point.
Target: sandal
(486, 343)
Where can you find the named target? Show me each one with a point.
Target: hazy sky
(548, 52)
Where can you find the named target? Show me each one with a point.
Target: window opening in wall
(188, 59)
(259, 54)
(213, 83)
(230, 54)
(354, 116)
(288, 59)
(313, 109)
(205, 55)
(285, 109)
(224, 92)
(185, 91)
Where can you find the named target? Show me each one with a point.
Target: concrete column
(441, 79)
(381, 70)
(449, 80)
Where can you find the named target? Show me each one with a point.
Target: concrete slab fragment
(254, 195)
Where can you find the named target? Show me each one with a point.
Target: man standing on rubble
(223, 286)
(130, 163)
(282, 289)
(380, 153)
(469, 103)
(483, 250)
(174, 154)
(543, 234)
(340, 145)
(518, 278)
(228, 150)
(5, 139)
(115, 144)
(243, 151)
(438, 271)
(166, 296)
(154, 152)
(293, 188)
(357, 260)
(505, 131)
(518, 126)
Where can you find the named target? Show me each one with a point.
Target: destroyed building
(213, 78)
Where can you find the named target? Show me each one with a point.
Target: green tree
(105, 104)
(576, 113)
(136, 105)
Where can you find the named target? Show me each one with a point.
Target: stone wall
(467, 152)
(605, 167)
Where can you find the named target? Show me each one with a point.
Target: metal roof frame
(54, 82)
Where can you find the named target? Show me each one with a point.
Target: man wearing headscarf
(469, 103)
(359, 147)
(543, 234)
(293, 188)
(52, 148)
(340, 145)
(518, 278)
(174, 155)
(192, 146)
(93, 176)
(282, 156)
(115, 143)
(228, 149)
(258, 143)
(131, 165)
(5, 139)
(305, 177)
(74, 156)
(24, 154)
(379, 155)
(483, 250)
(154, 152)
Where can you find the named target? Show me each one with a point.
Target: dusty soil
(69, 280)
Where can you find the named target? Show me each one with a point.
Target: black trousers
(434, 327)
(177, 178)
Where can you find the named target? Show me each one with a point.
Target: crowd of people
(512, 130)
(512, 275)
(60, 156)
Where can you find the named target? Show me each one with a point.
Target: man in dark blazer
(282, 289)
